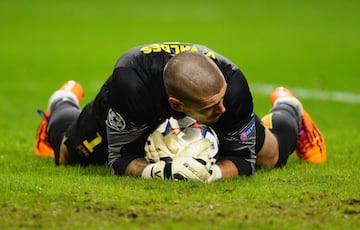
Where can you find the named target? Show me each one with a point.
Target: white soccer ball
(187, 130)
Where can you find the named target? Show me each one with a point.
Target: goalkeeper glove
(195, 148)
(215, 172)
(156, 149)
(181, 168)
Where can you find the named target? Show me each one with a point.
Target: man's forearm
(136, 167)
(228, 169)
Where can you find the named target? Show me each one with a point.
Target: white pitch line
(323, 95)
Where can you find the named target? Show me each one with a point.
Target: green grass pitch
(311, 45)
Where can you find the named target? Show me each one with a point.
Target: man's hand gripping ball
(181, 150)
(156, 149)
(183, 167)
(180, 137)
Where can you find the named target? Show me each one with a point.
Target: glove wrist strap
(167, 171)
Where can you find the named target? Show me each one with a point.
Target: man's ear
(176, 104)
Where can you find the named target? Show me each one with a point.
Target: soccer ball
(178, 133)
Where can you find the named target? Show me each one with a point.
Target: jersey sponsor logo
(115, 120)
(174, 48)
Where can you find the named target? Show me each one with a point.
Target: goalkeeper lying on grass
(152, 83)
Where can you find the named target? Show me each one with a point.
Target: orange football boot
(310, 144)
(42, 145)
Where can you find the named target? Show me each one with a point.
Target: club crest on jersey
(115, 120)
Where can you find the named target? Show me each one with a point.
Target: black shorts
(86, 139)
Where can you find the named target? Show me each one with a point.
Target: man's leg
(283, 122)
(63, 113)
(63, 107)
(281, 129)
(311, 145)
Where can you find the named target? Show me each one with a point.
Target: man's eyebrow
(215, 104)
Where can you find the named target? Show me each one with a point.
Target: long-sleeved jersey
(133, 102)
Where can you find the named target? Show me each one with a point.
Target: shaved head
(192, 76)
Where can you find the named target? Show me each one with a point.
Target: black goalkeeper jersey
(137, 91)
(133, 100)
